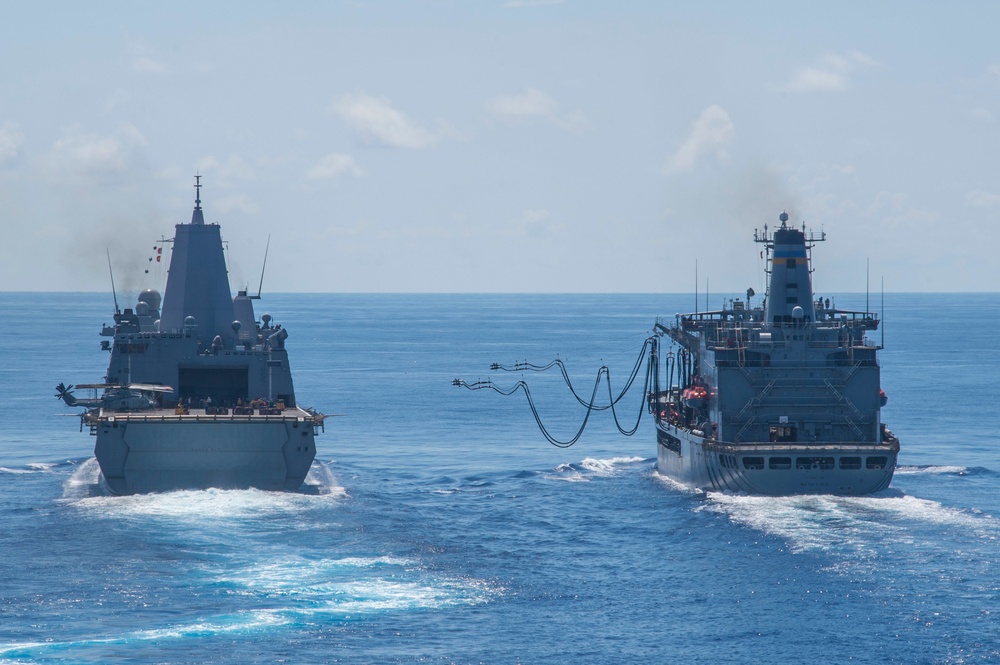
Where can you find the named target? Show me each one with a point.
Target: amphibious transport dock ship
(784, 398)
(198, 393)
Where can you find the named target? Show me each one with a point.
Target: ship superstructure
(782, 398)
(198, 392)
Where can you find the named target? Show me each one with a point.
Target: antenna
(261, 285)
(111, 272)
(868, 263)
(696, 286)
(883, 311)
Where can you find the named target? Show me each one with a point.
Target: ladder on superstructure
(843, 400)
(741, 349)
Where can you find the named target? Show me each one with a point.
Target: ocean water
(438, 526)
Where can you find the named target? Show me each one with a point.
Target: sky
(501, 145)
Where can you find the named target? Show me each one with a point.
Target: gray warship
(783, 398)
(198, 393)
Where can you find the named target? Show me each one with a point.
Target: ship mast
(789, 297)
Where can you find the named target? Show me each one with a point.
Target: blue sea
(438, 526)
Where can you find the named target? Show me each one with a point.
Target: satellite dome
(141, 308)
(151, 297)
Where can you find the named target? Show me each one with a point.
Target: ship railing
(738, 340)
(842, 446)
(771, 363)
(890, 442)
(732, 320)
(267, 414)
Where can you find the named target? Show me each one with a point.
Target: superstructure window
(780, 462)
(850, 463)
(783, 434)
(876, 462)
(753, 463)
(815, 463)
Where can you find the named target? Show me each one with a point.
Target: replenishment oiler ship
(198, 393)
(783, 398)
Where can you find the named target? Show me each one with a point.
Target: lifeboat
(694, 397)
(882, 397)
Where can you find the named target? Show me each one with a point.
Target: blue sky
(502, 146)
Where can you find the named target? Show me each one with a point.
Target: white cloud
(378, 122)
(94, 154)
(334, 165)
(92, 151)
(530, 102)
(832, 74)
(981, 199)
(710, 132)
(535, 103)
(11, 141)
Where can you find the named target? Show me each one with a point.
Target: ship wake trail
(285, 593)
(593, 468)
(855, 528)
(591, 404)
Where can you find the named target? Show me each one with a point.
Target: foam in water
(591, 468)
(5, 469)
(299, 590)
(845, 524)
(278, 588)
(34, 467)
(932, 470)
(86, 483)
(676, 485)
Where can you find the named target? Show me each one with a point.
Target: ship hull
(139, 455)
(773, 469)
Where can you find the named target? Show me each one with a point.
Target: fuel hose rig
(595, 402)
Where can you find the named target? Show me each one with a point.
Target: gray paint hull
(198, 393)
(141, 456)
(760, 468)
